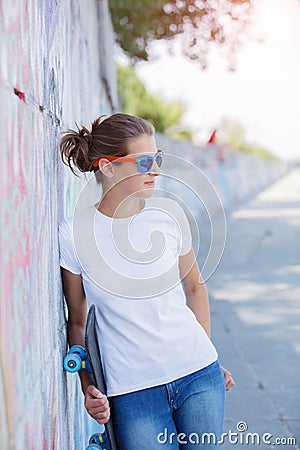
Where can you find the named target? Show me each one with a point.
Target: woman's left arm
(195, 289)
(197, 298)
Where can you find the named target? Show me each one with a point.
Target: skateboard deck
(94, 360)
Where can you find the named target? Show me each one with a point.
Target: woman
(128, 255)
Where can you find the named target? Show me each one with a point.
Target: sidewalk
(255, 307)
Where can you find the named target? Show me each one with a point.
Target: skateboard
(89, 358)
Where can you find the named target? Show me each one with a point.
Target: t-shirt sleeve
(67, 255)
(183, 231)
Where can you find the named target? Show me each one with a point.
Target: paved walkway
(255, 306)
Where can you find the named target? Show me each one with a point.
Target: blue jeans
(184, 414)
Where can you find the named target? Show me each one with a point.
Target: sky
(263, 94)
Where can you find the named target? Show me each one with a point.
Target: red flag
(212, 138)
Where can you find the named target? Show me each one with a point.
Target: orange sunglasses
(145, 163)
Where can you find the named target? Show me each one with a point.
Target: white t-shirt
(147, 334)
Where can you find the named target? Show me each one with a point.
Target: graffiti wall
(55, 70)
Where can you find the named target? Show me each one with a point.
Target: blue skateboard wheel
(81, 352)
(72, 363)
(78, 350)
(93, 447)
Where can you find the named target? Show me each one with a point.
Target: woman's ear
(106, 167)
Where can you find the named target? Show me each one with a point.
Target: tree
(199, 22)
(232, 133)
(136, 100)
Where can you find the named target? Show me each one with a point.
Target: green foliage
(199, 22)
(233, 133)
(136, 100)
(255, 149)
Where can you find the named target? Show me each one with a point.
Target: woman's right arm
(96, 403)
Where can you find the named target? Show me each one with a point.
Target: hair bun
(74, 146)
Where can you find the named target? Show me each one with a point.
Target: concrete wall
(56, 68)
(234, 176)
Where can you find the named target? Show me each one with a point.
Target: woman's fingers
(101, 416)
(229, 381)
(97, 404)
(93, 392)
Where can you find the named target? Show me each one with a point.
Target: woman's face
(125, 177)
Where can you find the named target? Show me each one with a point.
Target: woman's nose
(155, 169)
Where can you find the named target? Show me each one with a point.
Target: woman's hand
(229, 381)
(97, 404)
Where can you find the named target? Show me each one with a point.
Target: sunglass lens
(159, 160)
(145, 164)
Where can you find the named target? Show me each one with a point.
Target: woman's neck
(120, 207)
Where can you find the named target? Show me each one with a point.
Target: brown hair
(108, 137)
